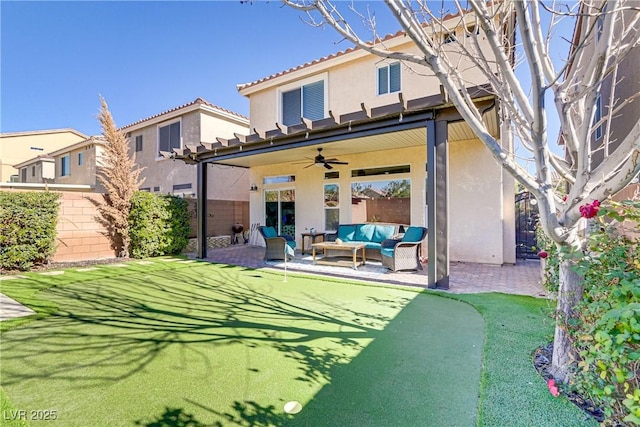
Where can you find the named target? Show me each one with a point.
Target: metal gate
(526, 221)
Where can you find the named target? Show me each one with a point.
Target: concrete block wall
(80, 234)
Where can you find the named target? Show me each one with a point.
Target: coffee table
(345, 247)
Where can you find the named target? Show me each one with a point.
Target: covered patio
(523, 278)
(456, 189)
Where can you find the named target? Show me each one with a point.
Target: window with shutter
(389, 78)
(169, 137)
(306, 101)
(291, 107)
(313, 101)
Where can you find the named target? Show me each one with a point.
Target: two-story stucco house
(184, 126)
(18, 147)
(72, 166)
(387, 126)
(618, 93)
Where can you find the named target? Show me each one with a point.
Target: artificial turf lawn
(201, 344)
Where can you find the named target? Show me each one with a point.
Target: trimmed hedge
(160, 225)
(27, 229)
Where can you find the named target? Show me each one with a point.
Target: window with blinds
(389, 78)
(306, 101)
(169, 137)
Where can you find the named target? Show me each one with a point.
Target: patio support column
(202, 210)
(438, 204)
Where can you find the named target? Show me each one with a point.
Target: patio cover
(433, 114)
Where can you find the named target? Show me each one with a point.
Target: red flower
(553, 389)
(590, 209)
(543, 254)
(564, 198)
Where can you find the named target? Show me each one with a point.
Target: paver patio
(520, 279)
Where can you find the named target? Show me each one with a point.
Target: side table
(316, 237)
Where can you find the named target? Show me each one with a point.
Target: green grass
(198, 344)
(512, 392)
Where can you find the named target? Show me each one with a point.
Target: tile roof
(314, 62)
(196, 101)
(332, 56)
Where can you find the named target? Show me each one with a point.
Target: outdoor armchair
(404, 254)
(277, 245)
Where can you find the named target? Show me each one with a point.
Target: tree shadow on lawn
(129, 324)
(414, 373)
(107, 332)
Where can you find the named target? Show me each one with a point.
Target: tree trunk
(569, 294)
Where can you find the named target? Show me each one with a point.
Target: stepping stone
(145, 262)
(118, 265)
(52, 273)
(169, 259)
(87, 269)
(188, 261)
(12, 277)
(12, 308)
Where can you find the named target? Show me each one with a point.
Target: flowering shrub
(606, 332)
(590, 210)
(549, 254)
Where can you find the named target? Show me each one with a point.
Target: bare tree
(119, 175)
(608, 33)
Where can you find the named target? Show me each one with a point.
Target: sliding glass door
(280, 211)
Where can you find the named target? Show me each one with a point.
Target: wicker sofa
(371, 234)
(277, 245)
(404, 253)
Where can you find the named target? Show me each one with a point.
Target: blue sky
(143, 57)
(147, 57)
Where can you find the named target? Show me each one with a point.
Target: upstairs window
(598, 117)
(472, 30)
(449, 38)
(23, 171)
(138, 143)
(389, 78)
(169, 137)
(80, 159)
(64, 166)
(305, 101)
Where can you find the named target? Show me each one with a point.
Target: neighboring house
(184, 126)
(606, 137)
(78, 164)
(374, 115)
(18, 147)
(75, 164)
(37, 170)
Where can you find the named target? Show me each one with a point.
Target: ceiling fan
(320, 160)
